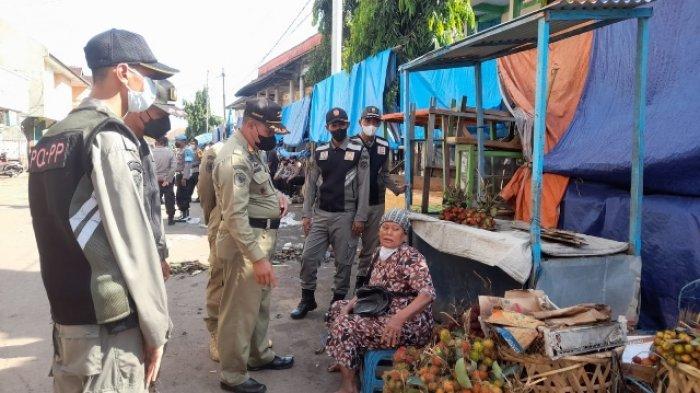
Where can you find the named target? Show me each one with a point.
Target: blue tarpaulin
(597, 144)
(295, 117)
(363, 86)
(453, 83)
(670, 247)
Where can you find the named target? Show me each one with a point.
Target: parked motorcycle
(10, 168)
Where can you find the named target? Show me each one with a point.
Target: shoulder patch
(240, 179)
(51, 154)
(322, 147)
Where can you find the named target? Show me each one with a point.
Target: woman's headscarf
(399, 216)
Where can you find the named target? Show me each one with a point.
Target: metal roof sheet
(520, 34)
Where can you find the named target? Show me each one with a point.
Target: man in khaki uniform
(251, 208)
(212, 217)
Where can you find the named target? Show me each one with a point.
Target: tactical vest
(338, 168)
(79, 292)
(378, 154)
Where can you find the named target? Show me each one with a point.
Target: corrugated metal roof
(520, 34)
(596, 4)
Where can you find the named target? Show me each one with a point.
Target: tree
(196, 114)
(370, 26)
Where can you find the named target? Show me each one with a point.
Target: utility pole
(223, 96)
(208, 108)
(336, 36)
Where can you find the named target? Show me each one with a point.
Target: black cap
(120, 46)
(371, 112)
(166, 95)
(336, 114)
(265, 111)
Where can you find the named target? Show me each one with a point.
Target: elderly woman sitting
(402, 270)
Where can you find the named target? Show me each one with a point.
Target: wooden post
(538, 145)
(481, 163)
(427, 155)
(640, 96)
(408, 178)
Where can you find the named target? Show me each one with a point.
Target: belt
(123, 324)
(264, 223)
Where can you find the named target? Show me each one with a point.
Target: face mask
(266, 143)
(385, 252)
(140, 101)
(157, 128)
(339, 134)
(369, 130)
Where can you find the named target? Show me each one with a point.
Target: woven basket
(598, 372)
(680, 379)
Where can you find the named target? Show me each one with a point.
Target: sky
(192, 36)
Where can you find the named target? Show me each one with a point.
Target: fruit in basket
(677, 346)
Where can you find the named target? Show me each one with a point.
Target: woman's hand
(348, 307)
(392, 330)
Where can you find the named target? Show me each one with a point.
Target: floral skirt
(350, 336)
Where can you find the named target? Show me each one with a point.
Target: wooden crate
(593, 373)
(682, 378)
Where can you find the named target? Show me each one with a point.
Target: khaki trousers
(370, 238)
(216, 274)
(244, 312)
(87, 359)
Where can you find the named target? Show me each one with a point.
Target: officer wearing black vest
(335, 209)
(379, 181)
(99, 261)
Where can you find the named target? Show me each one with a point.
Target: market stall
(558, 21)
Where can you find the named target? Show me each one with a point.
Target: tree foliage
(370, 26)
(196, 114)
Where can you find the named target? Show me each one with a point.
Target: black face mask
(339, 134)
(157, 128)
(266, 143)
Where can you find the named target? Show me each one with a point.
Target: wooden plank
(481, 161)
(407, 142)
(427, 154)
(496, 145)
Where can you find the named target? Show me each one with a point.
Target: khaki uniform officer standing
(251, 208)
(212, 217)
(336, 192)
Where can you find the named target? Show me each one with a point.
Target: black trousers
(184, 193)
(167, 193)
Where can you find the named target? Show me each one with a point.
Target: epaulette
(323, 147)
(382, 141)
(355, 145)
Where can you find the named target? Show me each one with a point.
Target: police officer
(336, 191)
(212, 217)
(99, 261)
(379, 180)
(184, 169)
(251, 208)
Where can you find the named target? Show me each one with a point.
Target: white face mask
(140, 101)
(385, 252)
(369, 130)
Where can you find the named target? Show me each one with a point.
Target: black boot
(171, 220)
(307, 303)
(360, 282)
(184, 215)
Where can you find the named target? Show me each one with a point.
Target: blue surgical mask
(140, 101)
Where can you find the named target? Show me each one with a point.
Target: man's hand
(165, 267)
(284, 204)
(306, 225)
(392, 330)
(358, 227)
(264, 275)
(165, 183)
(153, 356)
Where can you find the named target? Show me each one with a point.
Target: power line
(287, 30)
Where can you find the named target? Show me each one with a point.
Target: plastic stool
(369, 379)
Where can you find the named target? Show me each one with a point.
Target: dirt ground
(25, 323)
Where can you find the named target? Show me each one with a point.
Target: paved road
(25, 324)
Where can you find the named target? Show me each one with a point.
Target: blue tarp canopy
(453, 83)
(295, 117)
(203, 139)
(364, 85)
(597, 149)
